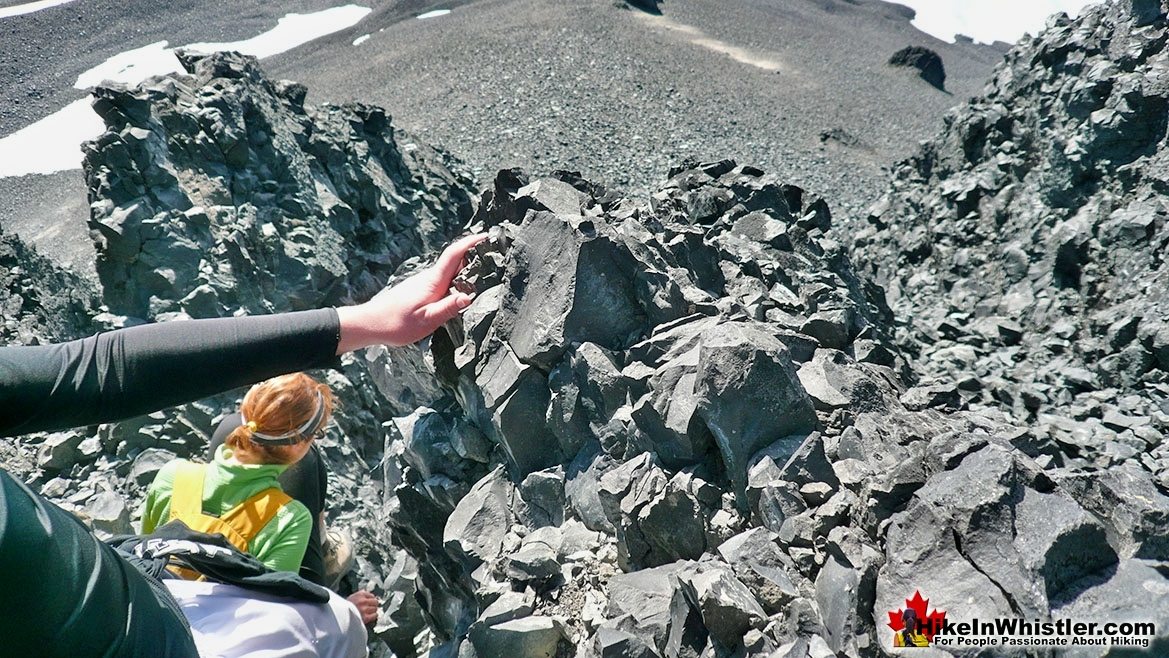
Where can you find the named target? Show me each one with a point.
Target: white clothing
(233, 622)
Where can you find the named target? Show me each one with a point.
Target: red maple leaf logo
(928, 625)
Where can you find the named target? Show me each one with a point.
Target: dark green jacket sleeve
(130, 372)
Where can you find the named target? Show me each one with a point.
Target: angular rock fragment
(536, 636)
(749, 394)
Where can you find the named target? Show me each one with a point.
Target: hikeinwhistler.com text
(1014, 632)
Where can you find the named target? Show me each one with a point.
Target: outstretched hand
(411, 310)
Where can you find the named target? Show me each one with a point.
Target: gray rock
(510, 605)
(646, 596)
(762, 566)
(535, 563)
(1131, 507)
(475, 530)
(927, 62)
(252, 217)
(1110, 597)
(933, 396)
(832, 328)
(568, 281)
(616, 643)
(58, 451)
(728, 608)
(519, 421)
(543, 491)
(536, 636)
(749, 395)
(147, 464)
(108, 513)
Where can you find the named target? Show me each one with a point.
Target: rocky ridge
(735, 461)
(1023, 247)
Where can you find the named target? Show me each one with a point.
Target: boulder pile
(681, 427)
(1023, 248)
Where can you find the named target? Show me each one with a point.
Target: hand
(366, 604)
(412, 309)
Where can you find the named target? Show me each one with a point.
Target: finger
(446, 308)
(451, 260)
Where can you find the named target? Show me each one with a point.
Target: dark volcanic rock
(1024, 243)
(927, 62)
(223, 191)
(39, 301)
(687, 426)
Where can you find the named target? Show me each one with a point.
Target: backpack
(239, 525)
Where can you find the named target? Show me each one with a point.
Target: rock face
(927, 62)
(1024, 245)
(221, 191)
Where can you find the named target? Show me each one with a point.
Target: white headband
(290, 437)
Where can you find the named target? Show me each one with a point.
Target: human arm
(125, 373)
(130, 372)
(412, 309)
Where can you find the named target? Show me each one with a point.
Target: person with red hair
(238, 493)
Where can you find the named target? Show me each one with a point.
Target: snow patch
(53, 143)
(30, 7)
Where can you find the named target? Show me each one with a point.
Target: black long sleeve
(129, 372)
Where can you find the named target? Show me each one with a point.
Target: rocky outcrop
(927, 62)
(740, 441)
(687, 425)
(1023, 246)
(221, 191)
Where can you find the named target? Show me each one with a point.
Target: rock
(668, 414)
(569, 281)
(1131, 507)
(649, 6)
(534, 563)
(927, 62)
(536, 636)
(1110, 596)
(519, 422)
(59, 450)
(616, 643)
(509, 606)
(933, 396)
(749, 394)
(728, 608)
(761, 566)
(224, 154)
(147, 464)
(543, 491)
(108, 513)
(475, 530)
(832, 328)
(646, 597)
